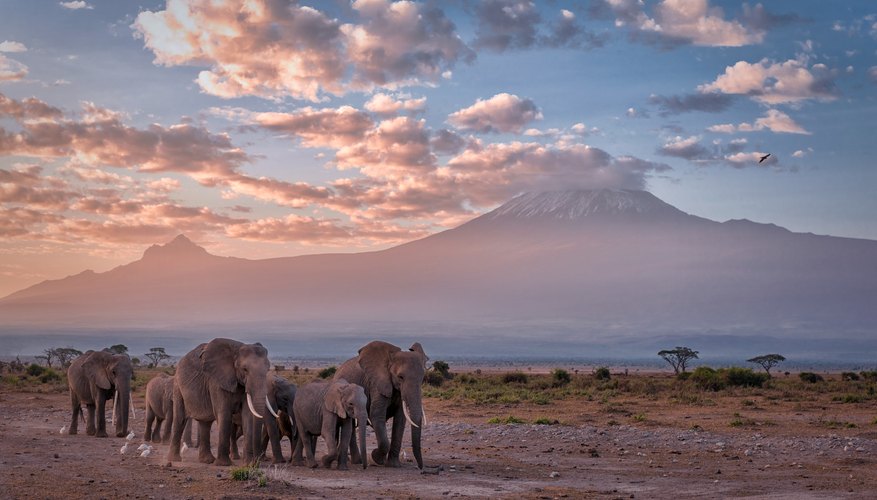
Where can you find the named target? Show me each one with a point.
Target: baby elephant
(324, 408)
(160, 409)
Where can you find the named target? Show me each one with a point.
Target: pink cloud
(501, 113)
(774, 120)
(385, 104)
(325, 127)
(775, 83)
(11, 70)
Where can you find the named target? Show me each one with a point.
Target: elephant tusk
(115, 402)
(423, 415)
(131, 399)
(407, 415)
(270, 409)
(252, 409)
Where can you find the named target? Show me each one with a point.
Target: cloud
(12, 46)
(801, 153)
(565, 31)
(396, 148)
(506, 24)
(273, 49)
(688, 148)
(710, 102)
(27, 109)
(872, 74)
(385, 104)
(11, 70)
(501, 113)
(326, 127)
(751, 159)
(676, 22)
(775, 83)
(76, 5)
(774, 120)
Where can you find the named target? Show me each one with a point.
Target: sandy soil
(634, 449)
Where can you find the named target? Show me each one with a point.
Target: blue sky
(270, 128)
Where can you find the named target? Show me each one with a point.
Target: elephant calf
(160, 411)
(325, 407)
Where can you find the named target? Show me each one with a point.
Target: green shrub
(849, 376)
(869, 375)
(443, 368)
(434, 378)
(245, 473)
(707, 379)
(327, 372)
(50, 375)
(561, 377)
(743, 377)
(35, 370)
(602, 373)
(546, 421)
(515, 378)
(811, 377)
(508, 420)
(683, 375)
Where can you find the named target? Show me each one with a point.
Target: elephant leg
(309, 443)
(150, 419)
(89, 420)
(101, 415)
(396, 441)
(225, 435)
(378, 416)
(176, 422)
(355, 456)
(77, 411)
(346, 434)
(296, 458)
(187, 434)
(204, 455)
(272, 434)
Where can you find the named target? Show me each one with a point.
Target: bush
(869, 375)
(561, 377)
(849, 376)
(434, 378)
(508, 420)
(683, 375)
(744, 377)
(707, 379)
(327, 372)
(50, 375)
(35, 370)
(546, 421)
(515, 378)
(811, 377)
(443, 369)
(602, 373)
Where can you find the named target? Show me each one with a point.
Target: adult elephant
(392, 380)
(281, 396)
(213, 381)
(93, 378)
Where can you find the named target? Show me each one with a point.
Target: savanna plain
(537, 433)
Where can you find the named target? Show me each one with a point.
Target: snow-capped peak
(575, 204)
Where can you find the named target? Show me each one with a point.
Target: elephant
(392, 380)
(281, 395)
(94, 377)
(213, 381)
(160, 410)
(324, 407)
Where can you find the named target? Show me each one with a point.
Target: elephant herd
(228, 382)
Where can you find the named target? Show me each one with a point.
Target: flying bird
(763, 158)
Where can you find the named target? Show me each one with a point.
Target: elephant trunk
(122, 404)
(361, 419)
(257, 397)
(412, 406)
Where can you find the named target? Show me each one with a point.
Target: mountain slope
(596, 261)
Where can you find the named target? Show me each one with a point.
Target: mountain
(596, 267)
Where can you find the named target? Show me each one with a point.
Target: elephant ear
(416, 347)
(218, 364)
(96, 367)
(374, 359)
(334, 400)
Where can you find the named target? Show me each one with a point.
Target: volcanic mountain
(583, 263)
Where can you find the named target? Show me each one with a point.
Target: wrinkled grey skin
(324, 408)
(281, 394)
(160, 410)
(93, 378)
(213, 381)
(390, 376)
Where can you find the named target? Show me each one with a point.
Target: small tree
(117, 349)
(156, 355)
(443, 369)
(66, 355)
(678, 358)
(767, 361)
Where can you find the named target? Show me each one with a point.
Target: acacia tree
(678, 358)
(767, 361)
(156, 355)
(117, 349)
(66, 355)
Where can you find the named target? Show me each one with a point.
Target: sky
(268, 128)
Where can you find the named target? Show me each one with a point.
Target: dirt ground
(735, 447)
